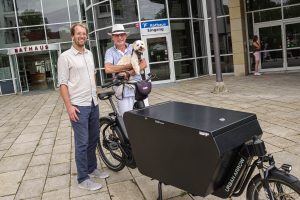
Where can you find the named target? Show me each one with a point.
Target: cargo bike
(202, 150)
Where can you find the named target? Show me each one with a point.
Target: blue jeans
(86, 133)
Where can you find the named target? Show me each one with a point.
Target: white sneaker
(257, 74)
(89, 185)
(97, 174)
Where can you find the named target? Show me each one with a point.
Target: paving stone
(36, 172)
(5, 146)
(57, 195)
(125, 190)
(40, 150)
(10, 182)
(43, 159)
(280, 142)
(285, 157)
(19, 149)
(115, 177)
(64, 148)
(57, 182)
(2, 153)
(14, 163)
(60, 158)
(63, 141)
(59, 169)
(97, 196)
(10, 197)
(280, 131)
(48, 135)
(34, 129)
(30, 189)
(27, 138)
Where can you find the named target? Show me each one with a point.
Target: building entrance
(35, 71)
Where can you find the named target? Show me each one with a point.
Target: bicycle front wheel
(109, 145)
(283, 186)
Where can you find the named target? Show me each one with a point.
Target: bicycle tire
(278, 180)
(108, 145)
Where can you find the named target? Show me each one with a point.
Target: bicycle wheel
(282, 185)
(108, 145)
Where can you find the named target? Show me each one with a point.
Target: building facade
(177, 34)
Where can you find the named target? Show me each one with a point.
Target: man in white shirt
(76, 79)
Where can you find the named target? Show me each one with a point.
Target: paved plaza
(37, 151)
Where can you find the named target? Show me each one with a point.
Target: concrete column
(238, 36)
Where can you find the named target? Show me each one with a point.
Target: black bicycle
(270, 183)
(114, 147)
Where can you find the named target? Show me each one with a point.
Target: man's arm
(110, 68)
(64, 92)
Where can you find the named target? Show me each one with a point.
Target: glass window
(104, 42)
(29, 12)
(291, 11)
(292, 35)
(55, 11)
(74, 10)
(58, 33)
(262, 4)
(202, 66)
(125, 11)
(150, 9)
(93, 49)
(226, 64)
(7, 15)
(32, 35)
(82, 10)
(197, 8)
(184, 69)
(222, 7)
(181, 39)
(102, 15)
(271, 37)
(178, 8)
(90, 19)
(223, 25)
(88, 2)
(200, 40)
(268, 15)
(290, 2)
(4, 67)
(134, 33)
(65, 46)
(9, 38)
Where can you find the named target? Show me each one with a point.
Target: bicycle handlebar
(118, 80)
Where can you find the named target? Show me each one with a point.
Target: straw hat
(118, 29)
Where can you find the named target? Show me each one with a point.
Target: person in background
(112, 57)
(76, 79)
(256, 52)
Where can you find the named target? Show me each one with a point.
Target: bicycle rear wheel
(109, 145)
(282, 185)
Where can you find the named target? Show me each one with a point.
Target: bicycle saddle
(105, 95)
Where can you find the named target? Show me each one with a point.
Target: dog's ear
(134, 44)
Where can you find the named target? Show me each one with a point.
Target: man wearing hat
(112, 57)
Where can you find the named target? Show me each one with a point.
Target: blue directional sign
(155, 27)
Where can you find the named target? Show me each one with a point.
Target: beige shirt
(77, 71)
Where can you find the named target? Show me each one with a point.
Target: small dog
(135, 57)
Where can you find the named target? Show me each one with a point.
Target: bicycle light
(286, 167)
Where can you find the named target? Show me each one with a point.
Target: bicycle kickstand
(159, 191)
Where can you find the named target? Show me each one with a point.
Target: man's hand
(72, 111)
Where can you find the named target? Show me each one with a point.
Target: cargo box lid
(204, 118)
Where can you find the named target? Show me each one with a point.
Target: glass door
(292, 36)
(271, 47)
(158, 58)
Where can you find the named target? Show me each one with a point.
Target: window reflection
(7, 14)
(29, 12)
(200, 39)
(197, 8)
(104, 42)
(293, 57)
(202, 66)
(224, 32)
(157, 49)
(152, 9)
(4, 67)
(271, 59)
(181, 39)
(125, 11)
(134, 33)
(74, 10)
(32, 35)
(269, 15)
(102, 15)
(58, 33)
(90, 19)
(178, 9)
(291, 12)
(226, 64)
(184, 69)
(55, 11)
(289, 2)
(9, 38)
(292, 35)
(259, 4)
(221, 5)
